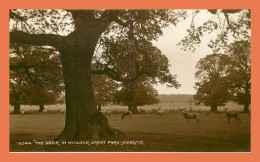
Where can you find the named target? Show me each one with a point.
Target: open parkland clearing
(145, 132)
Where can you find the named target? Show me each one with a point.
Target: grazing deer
(231, 115)
(158, 112)
(58, 112)
(161, 113)
(128, 113)
(154, 111)
(142, 111)
(189, 116)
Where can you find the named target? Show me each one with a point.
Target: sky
(183, 62)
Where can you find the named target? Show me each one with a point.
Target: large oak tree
(211, 85)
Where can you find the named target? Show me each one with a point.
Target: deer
(106, 113)
(159, 112)
(127, 113)
(58, 112)
(142, 111)
(231, 115)
(21, 112)
(44, 111)
(189, 116)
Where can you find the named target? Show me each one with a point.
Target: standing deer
(189, 116)
(44, 111)
(231, 115)
(58, 112)
(128, 113)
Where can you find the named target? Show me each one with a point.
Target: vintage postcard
(124, 79)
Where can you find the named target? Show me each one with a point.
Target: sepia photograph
(130, 80)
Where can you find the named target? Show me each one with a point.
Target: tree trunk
(130, 107)
(17, 108)
(247, 98)
(41, 108)
(99, 107)
(83, 121)
(213, 108)
(79, 108)
(246, 108)
(135, 111)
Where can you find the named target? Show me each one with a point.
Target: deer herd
(187, 115)
(195, 116)
(160, 112)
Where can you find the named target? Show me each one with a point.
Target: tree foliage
(234, 28)
(142, 94)
(229, 76)
(35, 75)
(17, 88)
(125, 49)
(239, 74)
(104, 89)
(211, 85)
(230, 24)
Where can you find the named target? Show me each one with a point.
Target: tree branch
(226, 12)
(35, 39)
(116, 76)
(231, 11)
(120, 22)
(109, 72)
(23, 20)
(26, 70)
(112, 15)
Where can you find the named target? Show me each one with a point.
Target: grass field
(151, 132)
